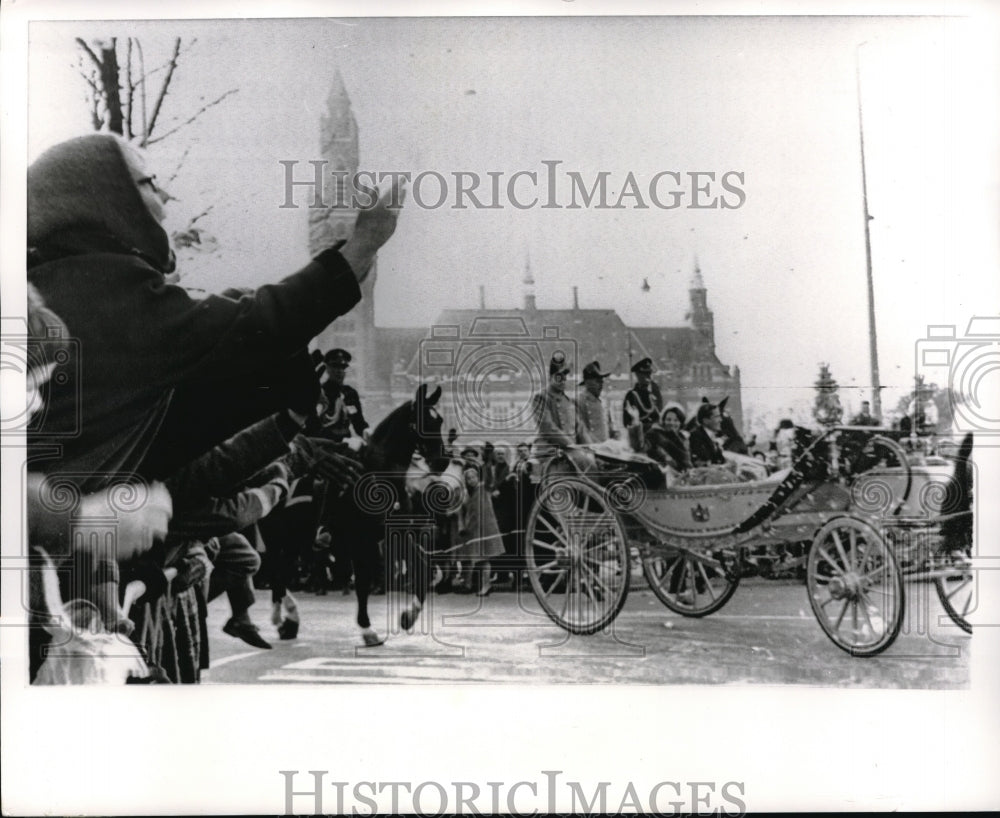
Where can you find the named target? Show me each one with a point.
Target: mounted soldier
(341, 414)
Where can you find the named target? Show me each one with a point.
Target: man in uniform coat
(591, 411)
(643, 402)
(342, 411)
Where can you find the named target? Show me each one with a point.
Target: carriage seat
(613, 459)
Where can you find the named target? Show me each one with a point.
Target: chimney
(576, 299)
(482, 296)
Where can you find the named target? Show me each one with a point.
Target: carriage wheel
(690, 584)
(855, 587)
(577, 556)
(956, 589)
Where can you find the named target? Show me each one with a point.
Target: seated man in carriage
(706, 446)
(559, 426)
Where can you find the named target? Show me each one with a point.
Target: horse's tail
(957, 529)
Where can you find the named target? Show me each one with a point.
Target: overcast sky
(773, 99)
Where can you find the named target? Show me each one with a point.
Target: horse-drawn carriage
(872, 518)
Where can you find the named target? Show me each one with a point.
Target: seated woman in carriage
(709, 454)
(667, 442)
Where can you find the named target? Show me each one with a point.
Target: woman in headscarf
(100, 258)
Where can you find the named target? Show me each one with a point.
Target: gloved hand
(334, 462)
(192, 567)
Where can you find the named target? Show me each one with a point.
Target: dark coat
(704, 450)
(98, 258)
(643, 403)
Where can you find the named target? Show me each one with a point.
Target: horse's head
(426, 423)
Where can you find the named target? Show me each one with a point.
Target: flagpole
(872, 337)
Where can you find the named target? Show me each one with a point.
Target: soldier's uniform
(643, 402)
(342, 405)
(555, 413)
(591, 410)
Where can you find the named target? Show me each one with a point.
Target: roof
(510, 348)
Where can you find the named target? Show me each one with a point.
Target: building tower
(700, 316)
(529, 285)
(355, 331)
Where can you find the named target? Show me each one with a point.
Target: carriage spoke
(557, 532)
(598, 543)
(840, 617)
(562, 575)
(844, 561)
(868, 619)
(965, 582)
(595, 575)
(876, 576)
(708, 583)
(831, 562)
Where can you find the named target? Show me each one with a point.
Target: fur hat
(593, 370)
(557, 365)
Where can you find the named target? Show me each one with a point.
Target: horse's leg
(364, 556)
(419, 567)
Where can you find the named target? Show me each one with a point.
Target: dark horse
(205, 413)
(360, 515)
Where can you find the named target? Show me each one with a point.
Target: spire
(700, 316)
(337, 120)
(529, 283)
(338, 92)
(697, 283)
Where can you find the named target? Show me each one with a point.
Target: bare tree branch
(130, 91)
(180, 164)
(203, 213)
(163, 90)
(142, 95)
(80, 42)
(196, 114)
(185, 48)
(95, 96)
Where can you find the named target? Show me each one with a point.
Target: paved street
(766, 634)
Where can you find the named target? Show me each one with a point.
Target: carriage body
(852, 500)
